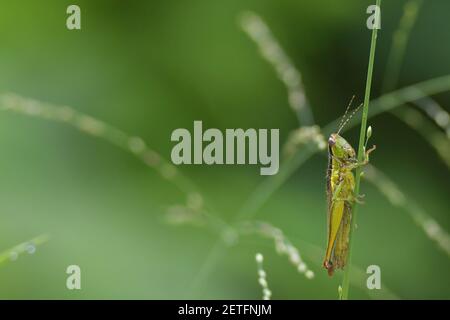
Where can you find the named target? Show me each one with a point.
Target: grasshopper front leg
(365, 161)
(352, 199)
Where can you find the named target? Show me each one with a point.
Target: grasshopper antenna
(349, 117)
(346, 111)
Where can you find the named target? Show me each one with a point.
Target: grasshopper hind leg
(338, 258)
(341, 249)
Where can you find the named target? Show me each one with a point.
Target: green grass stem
(361, 151)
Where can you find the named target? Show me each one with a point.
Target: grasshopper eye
(331, 141)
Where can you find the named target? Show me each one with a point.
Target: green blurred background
(149, 67)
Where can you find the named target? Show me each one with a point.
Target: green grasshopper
(341, 196)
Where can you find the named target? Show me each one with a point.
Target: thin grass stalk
(258, 31)
(29, 247)
(433, 230)
(437, 139)
(417, 121)
(361, 155)
(99, 129)
(400, 41)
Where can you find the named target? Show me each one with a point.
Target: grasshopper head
(340, 148)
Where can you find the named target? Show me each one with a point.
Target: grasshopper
(341, 196)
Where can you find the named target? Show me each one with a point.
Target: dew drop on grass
(301, 267)
(309, 274)
(31, 248)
